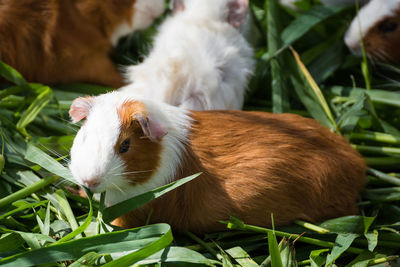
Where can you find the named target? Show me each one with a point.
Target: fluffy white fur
(199, 61)
(145, 12)
(369, 16)
(92, 153)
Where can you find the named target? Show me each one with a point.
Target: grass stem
(377, 137)
(384, 177)
(387, 162)
(69, 214)
(234, 224)
(27, 190)
(202, 243)
(378, 149)
(312, 227)
(382, 260)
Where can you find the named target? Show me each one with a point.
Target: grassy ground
(43, 224)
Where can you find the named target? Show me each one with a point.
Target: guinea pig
(252, 163)
(377, 24)
(199, 59)
(64, 41)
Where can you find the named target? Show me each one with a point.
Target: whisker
(55, 153)
(136, 172)
(116, 167)
(116, 186)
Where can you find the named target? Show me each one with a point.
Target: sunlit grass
(41, 222)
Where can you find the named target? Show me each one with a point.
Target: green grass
(305, 69)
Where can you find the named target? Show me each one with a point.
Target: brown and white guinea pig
(252, 163)
(60, 41)
(380, 30)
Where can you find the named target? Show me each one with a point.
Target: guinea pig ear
(151, 128)
(178, 5)
(80, 108)
(237, 12)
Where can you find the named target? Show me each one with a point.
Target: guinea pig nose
(91, 184)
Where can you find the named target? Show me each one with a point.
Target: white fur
(92, 153)
(369, 16)
(123, 29)
(199, 61)
(145, 12)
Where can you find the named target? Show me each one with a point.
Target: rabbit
(379, 21)
(199, 59)
(252, 164)
(64, 41)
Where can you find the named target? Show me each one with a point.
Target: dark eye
(124, 146)
(387, 26)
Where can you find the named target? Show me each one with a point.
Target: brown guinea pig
(252, 163)
(64, 41)
(378, 24)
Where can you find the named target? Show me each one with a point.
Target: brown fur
(62, 41)
(383, 45)
(255, 164)
(140, 163)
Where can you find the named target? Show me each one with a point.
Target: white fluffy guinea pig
(378, 24)
(252, 163)
(199, 59)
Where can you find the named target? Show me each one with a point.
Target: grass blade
(342, 243)
(176, 255)
(84, 225)
(33, 110)
(143, 252)
(280, 97)
(316, 90)
(26, 191)
(121, 241)
(126, 206)
(63, 201)
(10, 74)
(35, 155)
(303, 23)
(242, 257)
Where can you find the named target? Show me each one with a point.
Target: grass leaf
(10, 74)
(342, 243)
(241, 256)
(316, 91)
(306, 21)
(177, 254)
(126, 206)
(35, 155)
(372, 238)
(33, 110)
(154, 237)
(280, 98)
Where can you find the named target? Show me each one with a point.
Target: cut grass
(41, 224)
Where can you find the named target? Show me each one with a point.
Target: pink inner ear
(178, 6)
(80, 108)
(237, 12)
(152, 129)
(157, 131)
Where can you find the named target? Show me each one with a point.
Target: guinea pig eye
(387, 26)
(124, 146)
